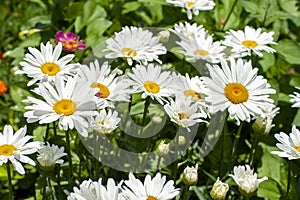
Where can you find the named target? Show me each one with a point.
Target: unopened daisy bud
(49, 156)
(263, 123)
(190, 175)
(119, 72)
(163, 148)
(164, 35)
(157, 119)
(181, 140)
(219, 190)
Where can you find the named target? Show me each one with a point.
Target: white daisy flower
(295, 98)
(289, 145)
(238, 89)
(151, 81)
(184, 112)
(69, 102)
(49, 155)
(105, 122)
(246, 179)
(243, 42)
(187, 31)
(193, 87)
(202, 47)
(111, 88)
(94, 190)
(45, 65)
(155, 189)
(136, 44)
(193, 6)
(14, 147)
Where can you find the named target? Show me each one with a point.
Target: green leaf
(267, 61)
(290, 50)
(18, 94)
(162, 2)
(269, 190)
(130, 7)
(250, 6)
(296, 120)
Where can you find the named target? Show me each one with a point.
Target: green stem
(229, 14)
(147, 103)
(158, 163)
(69, 158)
(236, 142)
(45, 185)
(10, 195)
(253, 150)
(58, 183)
(47, 133)
(185, 192)
(289, 181)
(54, 129)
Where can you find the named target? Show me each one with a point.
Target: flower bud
(164, 36)
(163, 149)
(181, 140)
(219, 190)
(190, 175)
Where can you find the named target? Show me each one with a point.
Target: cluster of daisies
(83, 97)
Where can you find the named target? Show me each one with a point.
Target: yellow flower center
(249, 44)
(70, 44)
(190, 4)
(103, 90)
(193, 94)
(183, 116)
(128, 52)
(236, 93)
(298, 149)
(65, 106)
(7, 150)
(151, 87)
(201, 53)
(50, 68)
(151, 198)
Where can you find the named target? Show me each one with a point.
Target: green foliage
(95, 21)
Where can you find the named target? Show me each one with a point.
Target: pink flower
(70, 41)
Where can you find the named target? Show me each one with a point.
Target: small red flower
(3, 88)
(70, 41)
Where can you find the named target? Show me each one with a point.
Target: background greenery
(97, 20)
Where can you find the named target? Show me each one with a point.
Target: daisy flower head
(111, 88)
(243, 42)
(70, 41)
(295, 98)
(202, 47)
(134, 43)
(92, 190)
(193, 87)
(152, 189)
(14, 147)
(68, 102)
(193, 6)
(45, 65)
(151, 81)
(105, 122)
(50, 155)
(187, 31)
(288, 144)
(184, 112)
(238, 89)
(246, 179)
